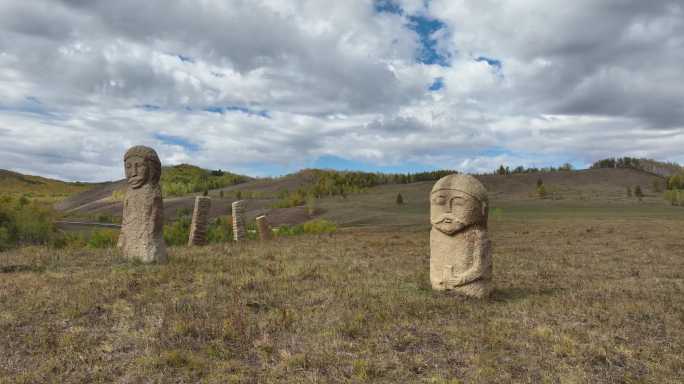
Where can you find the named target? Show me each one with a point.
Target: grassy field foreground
(576, 301)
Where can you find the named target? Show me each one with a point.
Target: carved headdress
(150, 156)
(462, 183)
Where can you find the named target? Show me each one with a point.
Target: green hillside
(183, 179)
(40, 188)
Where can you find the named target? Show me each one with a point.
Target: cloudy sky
(266, 87)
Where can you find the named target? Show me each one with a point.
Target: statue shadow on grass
(512, 294)
(20, 268)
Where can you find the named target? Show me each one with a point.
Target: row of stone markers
(460, 251)
(200, 222)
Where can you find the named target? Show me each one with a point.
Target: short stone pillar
(264, 228)
(460, 251)
(142, 225)
(239, 228)
(200, 221)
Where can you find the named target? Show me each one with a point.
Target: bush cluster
(336, 183)
(675, 197)
(185, 179)
(25, 222)
(315, 227)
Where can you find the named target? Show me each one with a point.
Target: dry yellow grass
(577, 301)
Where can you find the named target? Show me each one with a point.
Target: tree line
(342, 183)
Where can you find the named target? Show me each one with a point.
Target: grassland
(578, 299)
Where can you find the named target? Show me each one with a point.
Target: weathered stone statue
(264, 228)
(143, 209)
(239, 229)
(200, 221)
(460, 252)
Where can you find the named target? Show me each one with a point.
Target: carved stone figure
(460, 252)
(200, 221)
(264, 228)
(142, 226)
(239, 230)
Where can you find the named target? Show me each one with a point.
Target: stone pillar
(264, 228)
(239, 228)
(200, 221)
(142, 225)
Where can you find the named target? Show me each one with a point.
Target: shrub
(638, 193)
(220, 230)
(25, 222)
(103, 238)
(319, 226)
(675, 182)
(178, 232)
(311, 204)
(657, 187)
(70, 240)
(316, 227)
(287, 230)
(675, 197)
(400, 199)
(105, 218)
(118, 195)
(541, 191)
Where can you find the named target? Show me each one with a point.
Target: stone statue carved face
(137, 171)
(451, 211)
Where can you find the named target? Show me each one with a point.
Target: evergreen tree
(541, 191)
(657, 186)
(638, 193)
(400, 199)
(629, 191)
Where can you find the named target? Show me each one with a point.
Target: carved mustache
(446, 219)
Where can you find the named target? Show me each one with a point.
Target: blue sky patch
(437, 84)
(177, 140)
(341, 164)
(186, 59)
(387, 6)
(149, 107)
(424, 27)
(248, 111)
(492, 62)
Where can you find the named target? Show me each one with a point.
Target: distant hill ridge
(660, 168)
(14, 183)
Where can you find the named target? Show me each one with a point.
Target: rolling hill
(44, 189)
(376, 205)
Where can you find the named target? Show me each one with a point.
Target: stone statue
(200, 221)
(142, 235)
(460, 252)
(239, 228)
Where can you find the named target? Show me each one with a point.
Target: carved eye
(439, 200)
(457, 201)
